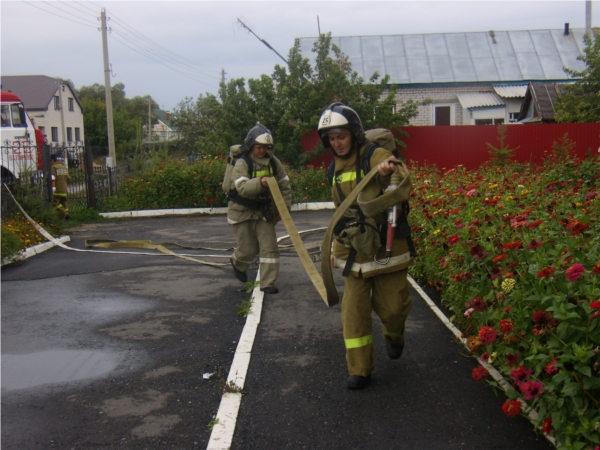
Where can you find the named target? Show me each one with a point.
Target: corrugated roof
(507, 56)
(479, 100)
(517, 91)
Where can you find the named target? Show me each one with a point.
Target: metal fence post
(47, 172)
(89, 171)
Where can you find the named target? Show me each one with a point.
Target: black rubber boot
(238, 274)
(358, 382)
(394, 351)
(270, 290)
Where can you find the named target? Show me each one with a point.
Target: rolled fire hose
(371, 203)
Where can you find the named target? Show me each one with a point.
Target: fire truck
(21, 144)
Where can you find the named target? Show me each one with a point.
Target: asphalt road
(103, 350)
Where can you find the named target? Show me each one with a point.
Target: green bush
(181, 184)
(11, 244)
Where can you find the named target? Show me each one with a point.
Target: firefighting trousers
(387, 295)
(257, 237)
(59, 201)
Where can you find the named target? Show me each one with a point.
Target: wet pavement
(115, 350)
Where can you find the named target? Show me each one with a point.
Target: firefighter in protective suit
(371, 283)
(61, 180)
(251, 210)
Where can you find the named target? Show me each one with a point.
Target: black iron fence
(89, 184)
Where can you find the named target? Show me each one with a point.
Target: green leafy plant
(515, 255)
(501, 155)
(212, 423)
(561, 149)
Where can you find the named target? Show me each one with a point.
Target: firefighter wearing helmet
(369, 284)
(251, 210)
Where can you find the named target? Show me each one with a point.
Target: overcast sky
(177, 49)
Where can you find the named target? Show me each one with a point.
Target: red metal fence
(467, 145)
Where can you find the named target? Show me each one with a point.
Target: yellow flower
(508, 285)
(493, 186)
(524, 192)
(520, 186)
(510, 197)
(492, 357)
(437, 231)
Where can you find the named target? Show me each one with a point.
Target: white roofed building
(470, 78)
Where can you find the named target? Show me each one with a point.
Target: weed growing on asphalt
(212, 423)
(243, 308)
(230, 388)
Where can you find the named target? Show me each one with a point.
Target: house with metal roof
(467, 78)
(52, 105)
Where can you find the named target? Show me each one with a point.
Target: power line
(53, 5)
(144, 38)
(164, 64)
(58, 15)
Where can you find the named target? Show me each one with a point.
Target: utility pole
(111, 161)
(223, 76)
(149, 122)
(62, 113)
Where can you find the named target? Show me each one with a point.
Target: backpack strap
(246, 157)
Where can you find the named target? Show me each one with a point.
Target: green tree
(197, 122)
(128, 116)
(581, 103)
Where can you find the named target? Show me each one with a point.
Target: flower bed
(515, 254)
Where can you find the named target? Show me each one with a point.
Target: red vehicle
(20, 142)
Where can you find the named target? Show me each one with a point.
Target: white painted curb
(35, 250)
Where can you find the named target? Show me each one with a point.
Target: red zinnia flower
(506, 326)
(596, 269)
(478, 304)
(545, 272)
(532, 389)
(595, 305)
(479, 373)
(488, 334)
(516, 244)
(453, 239)
(551, 368)
(512, 359)
(506, 310)
(520, 374)
(511, 408)
(547, 425)
(574, 272)
(541, 317)
(499, 257)
(534, 244)
(535, 224)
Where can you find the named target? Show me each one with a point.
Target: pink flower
(574, 272)
(550, 367)
(520, 374)
(532, 389)
(487, 334)
(471, 193)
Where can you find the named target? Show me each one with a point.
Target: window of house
(513, 117)
(443, 115)
(77, 134)
(394, 109)
(488, 121)
(54, 131)
(71, 104)
(69, 134)
(56, 103)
